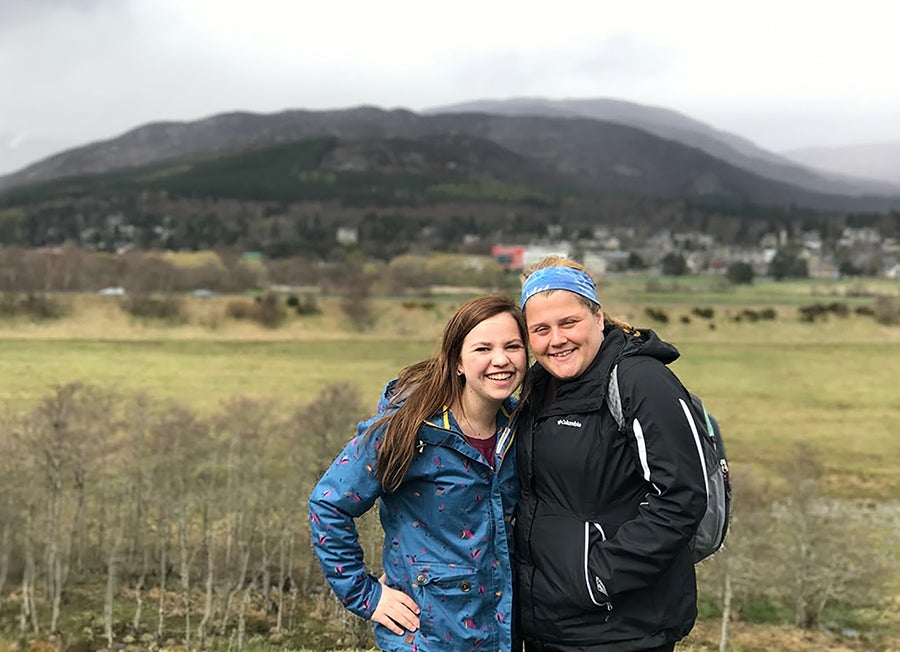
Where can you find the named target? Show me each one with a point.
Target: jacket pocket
(596, 589)
(449, 597)
(561, 546)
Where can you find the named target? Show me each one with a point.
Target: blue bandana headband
(559, 278)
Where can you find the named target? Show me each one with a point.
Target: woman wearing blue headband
(605, 517)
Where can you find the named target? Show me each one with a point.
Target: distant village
(858, 251)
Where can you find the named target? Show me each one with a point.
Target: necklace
(476, 433)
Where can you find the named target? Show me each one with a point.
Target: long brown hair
(425, 387)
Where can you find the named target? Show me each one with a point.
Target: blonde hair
(562, 261)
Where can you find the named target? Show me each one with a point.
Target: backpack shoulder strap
(614, 398)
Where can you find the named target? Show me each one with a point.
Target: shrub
(761, 609)
(674, 264)
(747, 315)
(750, 315)
(423, 305)
(356, 304)
(308, 305)
(684, 319)
(167, 309)
(740, 273)
(658, 315)
(703, 313)
(813, 312)
(265, 310)
(820, 311)
(887, 310)
(270, 312)
(359, 311)
(32, 305)
(787, 263)
(240, 309)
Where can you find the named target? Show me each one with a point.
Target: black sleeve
(664, 436)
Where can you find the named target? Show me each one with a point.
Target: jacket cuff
(371, 594)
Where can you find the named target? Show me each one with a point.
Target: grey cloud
(16, 13)
(615, 58)
(622, 55)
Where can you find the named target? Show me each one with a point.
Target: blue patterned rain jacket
(447, 535)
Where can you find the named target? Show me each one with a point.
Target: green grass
(715, 290)
(203, 374)
(841, 398)
(771, 384)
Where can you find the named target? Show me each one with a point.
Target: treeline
(125, 519)
(389, 215)
(296, 172)
(72, 269)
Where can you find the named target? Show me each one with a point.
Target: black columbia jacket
(604, 520)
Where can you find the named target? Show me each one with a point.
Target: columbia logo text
(567, 422)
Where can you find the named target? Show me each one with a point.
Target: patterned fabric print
(447, 537)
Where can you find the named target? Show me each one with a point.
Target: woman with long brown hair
(438, 456)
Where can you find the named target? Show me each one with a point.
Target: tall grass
(771, 384)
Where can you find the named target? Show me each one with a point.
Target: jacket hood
(643, 341)
(387, 398)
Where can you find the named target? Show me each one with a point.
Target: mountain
(18, 150)
(672, 125)
(357, 172)
(582, 155)
(874, 161)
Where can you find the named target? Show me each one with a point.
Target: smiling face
(564, 334)
(493, 359)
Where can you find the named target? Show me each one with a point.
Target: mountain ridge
(674, 125)
(600, 155)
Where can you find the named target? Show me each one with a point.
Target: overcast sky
(785, 74)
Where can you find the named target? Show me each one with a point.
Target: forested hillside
(446, 192)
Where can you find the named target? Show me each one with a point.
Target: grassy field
(199, 373)
(715, 290)
(770, 383)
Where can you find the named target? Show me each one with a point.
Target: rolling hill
(541, 154)
(672, 125)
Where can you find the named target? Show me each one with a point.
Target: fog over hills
(676, 126)
(874, 161)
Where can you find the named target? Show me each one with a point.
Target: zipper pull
(421, 447)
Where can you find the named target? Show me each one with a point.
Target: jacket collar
(442, 430)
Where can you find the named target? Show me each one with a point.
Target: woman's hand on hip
(396, 611)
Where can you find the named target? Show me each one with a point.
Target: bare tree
(828, 548)
(61, 430)
(738, 571)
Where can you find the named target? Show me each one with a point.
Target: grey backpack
(713, 526)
